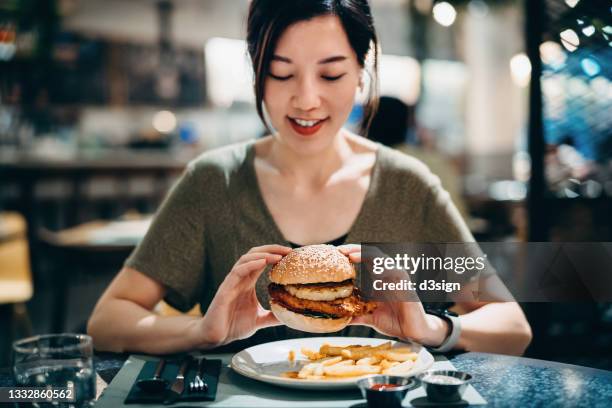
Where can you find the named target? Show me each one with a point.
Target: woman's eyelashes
(280, 78)
(329, 78)
(332, 77)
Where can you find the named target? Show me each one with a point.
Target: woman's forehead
(314, 39)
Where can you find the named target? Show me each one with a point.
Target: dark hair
(268, 19)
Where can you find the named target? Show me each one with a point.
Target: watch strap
(453, 335)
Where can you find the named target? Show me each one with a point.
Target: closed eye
(333, 78)
(280, 78)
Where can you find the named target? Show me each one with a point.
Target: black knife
(178, 386)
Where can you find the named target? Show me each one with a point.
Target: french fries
(385, 364)
(316, 368)
(393, 355)
(311, 354)
(331, 361)
(365, 351)
(338, 362)
(368, 361)
(400, 368)
(333, 350)
(338, 370)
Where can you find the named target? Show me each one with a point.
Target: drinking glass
(54, 361)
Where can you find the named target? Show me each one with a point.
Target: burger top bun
(306, 323)
(312, 264)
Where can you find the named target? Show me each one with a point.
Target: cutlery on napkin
(178, 386)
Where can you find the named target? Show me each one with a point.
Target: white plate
(266, 362)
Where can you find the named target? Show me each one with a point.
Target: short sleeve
(172, 251)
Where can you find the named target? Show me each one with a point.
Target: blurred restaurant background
(103, 102)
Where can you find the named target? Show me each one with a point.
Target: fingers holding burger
(313, 289)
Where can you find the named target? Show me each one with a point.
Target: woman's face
(310, 91)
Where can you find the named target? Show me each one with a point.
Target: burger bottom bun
(306, 323)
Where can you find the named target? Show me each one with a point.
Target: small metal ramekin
(391, 397)
(437, 392)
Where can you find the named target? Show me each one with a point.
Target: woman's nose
(306, 96)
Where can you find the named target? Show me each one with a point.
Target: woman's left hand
(401, 319)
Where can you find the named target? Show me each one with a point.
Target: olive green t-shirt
(215, 213)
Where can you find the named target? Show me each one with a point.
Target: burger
(313, 289)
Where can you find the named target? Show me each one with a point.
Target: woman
(238, 209)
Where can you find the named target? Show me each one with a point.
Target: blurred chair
(93, 245)
(81, 252)
(15, 282)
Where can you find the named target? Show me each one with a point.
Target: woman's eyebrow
(328, 60)
(281, 59)
(335, 58)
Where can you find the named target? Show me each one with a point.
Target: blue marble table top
(502, 380)
(517, 381)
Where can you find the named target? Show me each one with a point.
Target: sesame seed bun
(306, 323)
(312, 264)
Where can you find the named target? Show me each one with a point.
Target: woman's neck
(309, 170)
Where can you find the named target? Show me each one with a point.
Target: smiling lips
(306, 127)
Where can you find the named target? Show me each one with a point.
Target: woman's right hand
(235, 312)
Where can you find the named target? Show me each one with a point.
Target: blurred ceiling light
(444, 14)
(478, 8)
(552, 54)
(520, 69)
(164, 121)
(590, 67)
(569, 39)
(607, 29)
(588, 30)
(571, 3)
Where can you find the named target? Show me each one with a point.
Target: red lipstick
(306, 130)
